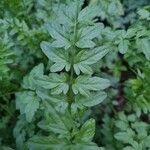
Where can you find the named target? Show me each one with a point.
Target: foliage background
(126, 32)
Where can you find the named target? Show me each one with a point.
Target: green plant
(111, 10)
(74, 75)
(71, 53)
(126, 132)
(133, 132)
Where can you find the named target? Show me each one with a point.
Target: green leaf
(122, 125)
(58, 56)
(59, 101)
(129, 148)
(28, 103)
(85, 146)
(125, 137)
(21, 130)
(31, 108)
(85, 58)
(144, 14)
(67, 13)
(29, 80)
(46, 143)
(59, 34)
(88, 13)
(54, 143)
(57, 83)
(85, 84)
(59, 123)
(145, 45)
(86, 132)
(5, 148)
(146, 141)
(87, 34)
(93, 100)
(123, 46)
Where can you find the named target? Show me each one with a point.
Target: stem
(70, 94)
(72, 54)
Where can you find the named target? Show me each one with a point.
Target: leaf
(123, 46)
(59, 101)
(59, 34)
(53, 127)
(54, 143)
(87, 34)
(84, 84)
(46, 143)
(131, 32)
(125, 137)
(57, 83)
(146, 141)
(59, 57)
(85, 58)
(31, 108)
(86, 146)
(86, 132)
(93, 100)
(20, 133)
(88, 13)
(5, 148)
(145, 46)
(29, 80)
(59, 123)
(28, 103)
(122, 125)
(144, 14)
(128, 148)
(67, 13)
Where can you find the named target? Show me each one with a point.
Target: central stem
(71, 80)
(72, 54)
